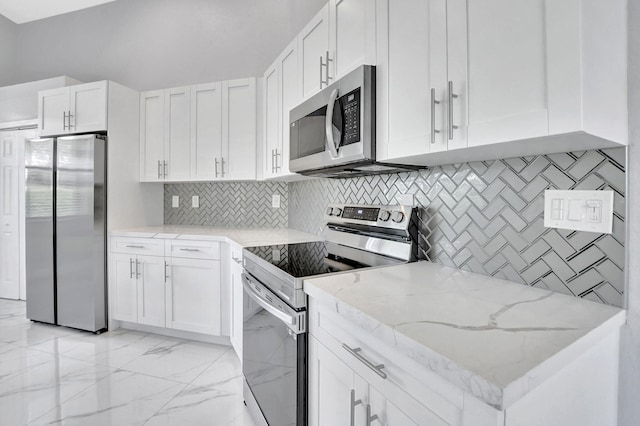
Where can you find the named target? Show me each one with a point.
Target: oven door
(274, 355)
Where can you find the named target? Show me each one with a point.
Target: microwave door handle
(328, 125)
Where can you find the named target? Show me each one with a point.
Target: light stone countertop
(493, 338)
(243, 237)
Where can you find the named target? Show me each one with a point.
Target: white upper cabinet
(313, 53)
(352, 37)
(177, 141)
(272, 123)
(152, 136)
(206, 131)
(239, 129)
(73, 109)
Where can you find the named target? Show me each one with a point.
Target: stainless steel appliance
(274, 361)
(65, 226)
(333, 134)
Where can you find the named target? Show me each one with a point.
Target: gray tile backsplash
(227, 204)
(487, 217)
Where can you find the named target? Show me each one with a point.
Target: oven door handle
(292, 321)
(328, 124)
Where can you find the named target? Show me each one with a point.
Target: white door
(53, 110)
(352, 35)
(193, 295)
(125, 297)
(88, 107)
(411, 78)
(272, 129)
(152, 136)
(330, 384)
(177, 141)
(290, 96)
(239, 129)
(9, 215)
(508, 70)
(206, 131)
(313, 45)
(150, 271)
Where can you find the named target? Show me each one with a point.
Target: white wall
(151, 44)
(8, 31)
(630, 353)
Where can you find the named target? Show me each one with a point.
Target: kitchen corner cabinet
(73, 109)
(199, 133)
(505, 78)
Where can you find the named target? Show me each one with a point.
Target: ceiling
(21, 11)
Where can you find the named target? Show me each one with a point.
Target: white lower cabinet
(178, 287)
(237, 299)
(193, 297)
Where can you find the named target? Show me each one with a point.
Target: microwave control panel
(351, 106)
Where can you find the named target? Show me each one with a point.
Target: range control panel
(396, 217)
(361, 213)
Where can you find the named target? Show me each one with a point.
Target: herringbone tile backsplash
(227, 204)
(487, 217)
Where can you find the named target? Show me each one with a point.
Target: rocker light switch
(590, 211)
(195, 201)
(175, 201)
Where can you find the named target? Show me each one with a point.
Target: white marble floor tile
(15, 359)
(123, 398)
(224, 374)
(177, 360)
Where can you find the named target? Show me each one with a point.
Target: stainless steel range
(275, 326)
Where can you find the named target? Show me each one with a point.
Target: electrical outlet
(406, 200)
(590, 211)
(195, 201)
(175, 201)
(275, 201)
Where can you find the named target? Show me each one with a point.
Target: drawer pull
(235, 259)
(133, 246)
(189, 249)
(356, 353)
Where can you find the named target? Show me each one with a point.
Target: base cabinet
(237, 299)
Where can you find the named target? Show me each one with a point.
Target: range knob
(329, 211)
(398, 217)
(385, 215)
(337, 211)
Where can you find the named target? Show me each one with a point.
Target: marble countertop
(493, 338)
(243, 237)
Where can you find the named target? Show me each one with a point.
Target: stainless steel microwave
(333, 133)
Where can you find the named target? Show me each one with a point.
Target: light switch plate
(406, 200)
(590, 211)
(275, 201)
(195, 201)
(175, 201)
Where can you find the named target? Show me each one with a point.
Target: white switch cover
(195, 201)
(590, 211)
(406, 200)
(275, 254)
(275, 201)
(175, 201)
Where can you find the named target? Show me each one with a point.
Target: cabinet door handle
(189, 249)
(434, 102)
(370, 418)
(69, 118)
(64, 120)
(221, 167)
(356, 353)
(321, 66)
(277, 155)
(216, 165)
(354, 402)
(159, 170)
(137, 269)
(273, 168)
(130, 268)
(452, 96)
(166, 277)
(238, 261)
(134, 246)
(327, 67)
(166, 166)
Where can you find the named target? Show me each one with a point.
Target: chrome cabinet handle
(327, 67)
(166, 277)
(221, 167)
(356, 353)
(328, 125)
(354, 402)
(370, 418)
(133, 246)
(130, 268)
(321, 66)
(137, 269)
(166, 165)
(159, 170)
(434, 102)
(452, 96)
(238, 261)
(277, 155)
(69, 118)
(273, 167)
(64, 120)
(189, 249)
(215, 160)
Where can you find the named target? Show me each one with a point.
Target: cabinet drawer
(194, 249)
(144, 246)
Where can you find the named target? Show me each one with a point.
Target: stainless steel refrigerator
(65, 209)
